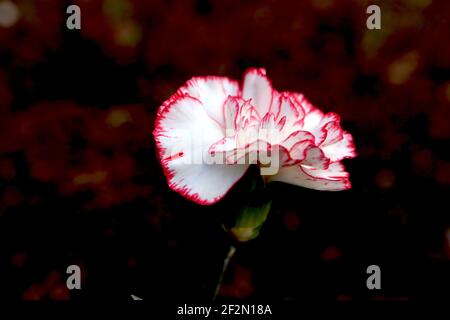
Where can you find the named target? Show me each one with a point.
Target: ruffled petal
(258, 88)
(268, 129)
(183, 133)
(334, 133)
(298, 150)
(212, 93)
(335, 178)
(296, 137)
(342, 149)
(288, 107)
(315, 158)
(231, 108)
(248, 116)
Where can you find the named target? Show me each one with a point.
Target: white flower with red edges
(212, 129)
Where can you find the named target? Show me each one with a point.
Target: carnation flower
(212, 129)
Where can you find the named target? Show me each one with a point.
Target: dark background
(80, 182)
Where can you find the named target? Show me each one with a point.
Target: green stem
(224, 269)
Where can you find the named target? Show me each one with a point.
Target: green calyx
(253, 214)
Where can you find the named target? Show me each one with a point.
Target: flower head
(212, 129)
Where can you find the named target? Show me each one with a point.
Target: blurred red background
(80, 182)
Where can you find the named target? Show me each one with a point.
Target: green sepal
(251, 217)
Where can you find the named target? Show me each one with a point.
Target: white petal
(212, 93)
(248, 116)
(258, 88)
(296, 137)
(314, 157)
(332, 179)
(313, 116)
(334, 133)
(298, 150)
(341, 149)
(287, 106)
(184, 133)
(205, 184)
(231, 110)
